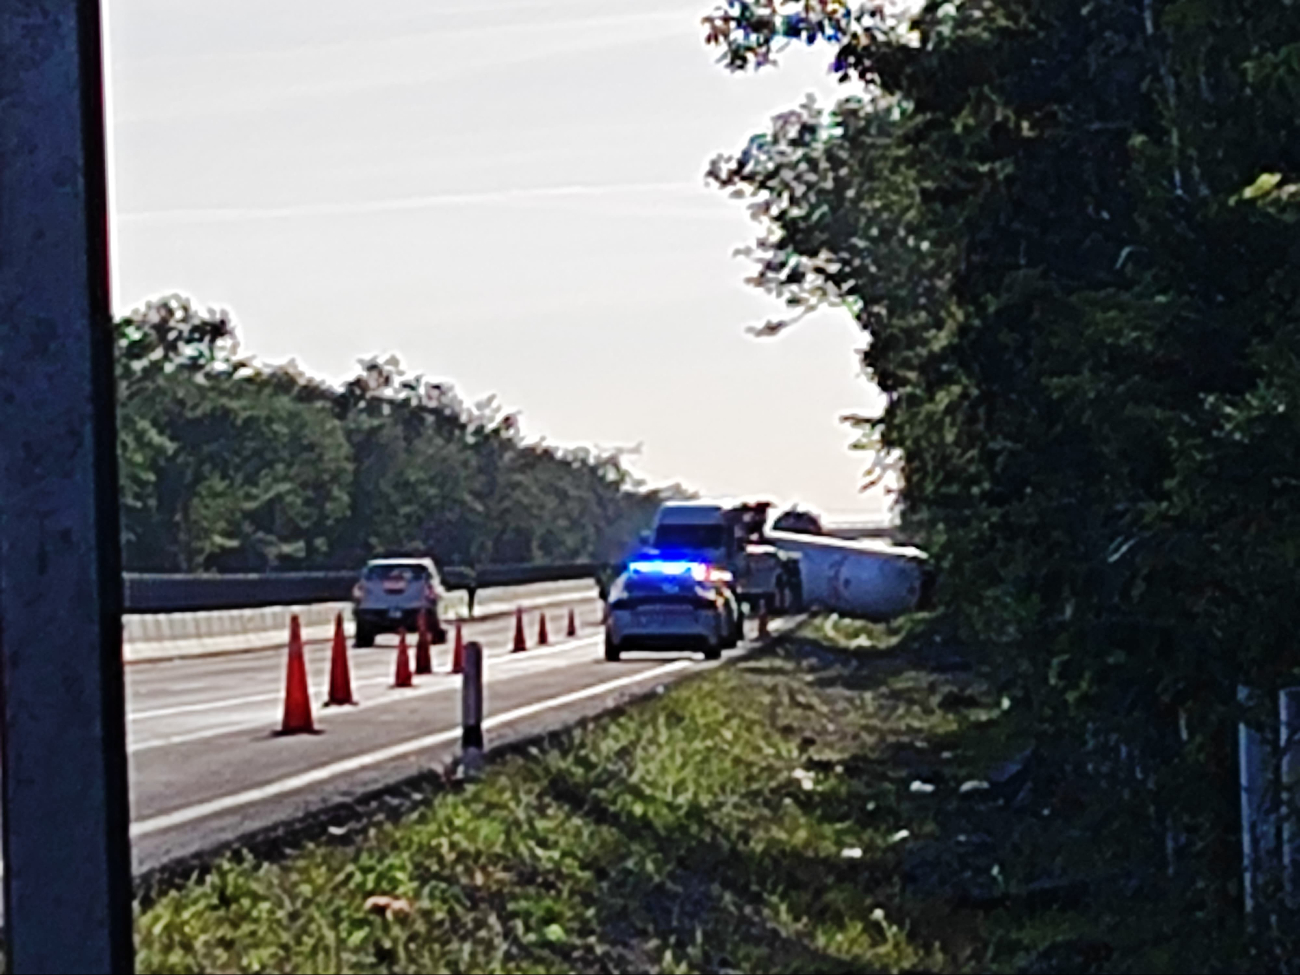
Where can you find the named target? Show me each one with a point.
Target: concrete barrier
(166, 636)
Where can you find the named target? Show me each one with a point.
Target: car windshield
(689, 537)
(395, 572)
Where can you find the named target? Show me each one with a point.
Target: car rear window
(669, 537)
(386, 573)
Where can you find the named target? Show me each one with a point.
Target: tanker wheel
(735, 634)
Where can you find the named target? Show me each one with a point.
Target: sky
(506, 194)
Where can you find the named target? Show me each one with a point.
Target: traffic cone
(542, 638)
(297, 702)
(573, 624)
(520, 643)
(423, 659)
(458, 654)
(340, 678)
(762, 619)
(403, 676)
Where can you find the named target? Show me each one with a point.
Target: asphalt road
(207, 766)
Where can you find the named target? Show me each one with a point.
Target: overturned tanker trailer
(865, 579)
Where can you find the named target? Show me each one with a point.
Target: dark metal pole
(67, 862)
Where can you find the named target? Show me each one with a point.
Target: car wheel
(713, 653)
(612, 652)
(365, 637)
(439, 636)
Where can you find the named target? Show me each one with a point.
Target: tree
(223, 466)
(1070, 233)
(229, 465)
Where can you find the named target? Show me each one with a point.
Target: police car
(662, 603)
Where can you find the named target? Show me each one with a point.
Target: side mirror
(645, 537)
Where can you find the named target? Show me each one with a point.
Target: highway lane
(169, 702)
(207, 768)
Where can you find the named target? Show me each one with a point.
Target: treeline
(232, 466)
(1070, 231)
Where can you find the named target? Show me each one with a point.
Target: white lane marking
(334, 769)
(205, 706)
(366, 682)
(210, 732)
(517, 669)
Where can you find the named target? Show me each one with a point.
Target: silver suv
(390, 596)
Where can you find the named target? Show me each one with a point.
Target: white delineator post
(471, 710)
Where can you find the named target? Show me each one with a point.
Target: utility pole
(67, 860)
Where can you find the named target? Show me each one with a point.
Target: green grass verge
(762, 817)
(680, 836)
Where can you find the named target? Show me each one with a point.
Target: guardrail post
(67, 869)
(471, 710)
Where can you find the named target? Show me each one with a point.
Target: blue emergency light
(696, 570)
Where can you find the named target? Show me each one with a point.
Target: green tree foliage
(228, 465)
(1070, 232)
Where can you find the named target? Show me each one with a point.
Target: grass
(760, 818)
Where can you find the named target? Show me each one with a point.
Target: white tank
(867, 579)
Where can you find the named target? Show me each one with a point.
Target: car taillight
(358, 592)
(430, 593)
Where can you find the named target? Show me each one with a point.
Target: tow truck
(732, 536)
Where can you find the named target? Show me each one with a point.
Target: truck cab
(731, 536)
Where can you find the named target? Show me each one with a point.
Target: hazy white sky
(508, 194)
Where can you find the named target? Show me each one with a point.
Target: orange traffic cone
(762, 618)
(297, 702)
(458, 654)
(573, 624)
(423, 659)
(403, 676)
(520, 643)
(542, 638)
(340, 678)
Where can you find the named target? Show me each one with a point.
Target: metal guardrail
(521, 575)
(176, 593)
